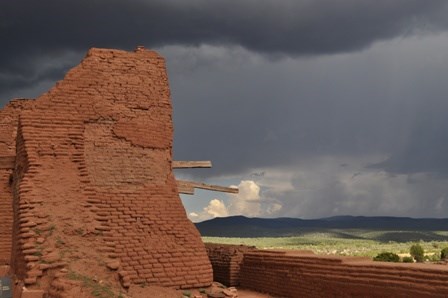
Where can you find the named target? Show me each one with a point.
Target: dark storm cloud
(425, 149)
(30, 30)
(18, 80)
(387, 102)
(371, 194)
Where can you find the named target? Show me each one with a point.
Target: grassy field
(348, 242)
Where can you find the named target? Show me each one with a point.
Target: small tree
(444, 253)
(387, 257)
(417, 252)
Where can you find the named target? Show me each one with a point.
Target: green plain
(347, 242)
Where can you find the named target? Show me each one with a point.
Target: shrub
(408, 260)
(444, 253)
(387, 257)
(434, 258)
(417, 252)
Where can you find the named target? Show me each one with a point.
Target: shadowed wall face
(95, 154)
(9, 116)
(226, 261)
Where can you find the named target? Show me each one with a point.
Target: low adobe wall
(299, 274)
(226, 261)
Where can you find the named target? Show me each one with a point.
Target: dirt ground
(251, 294)
(216, 288)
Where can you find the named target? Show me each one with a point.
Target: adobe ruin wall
(92, 184)
(226, 261)
(297, 274)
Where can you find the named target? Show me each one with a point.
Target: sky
(313, 108)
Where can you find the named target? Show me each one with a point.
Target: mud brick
(116, 171)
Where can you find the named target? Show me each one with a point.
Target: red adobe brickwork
(9, 116)
(226, 261)
(92, 183)
(302, 274)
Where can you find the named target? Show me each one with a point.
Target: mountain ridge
(241, 226)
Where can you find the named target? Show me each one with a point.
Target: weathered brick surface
(6, 217)
(95, 153)
(9, 116)
(294, 274)
(226, 261)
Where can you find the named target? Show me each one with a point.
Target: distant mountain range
(241, 226)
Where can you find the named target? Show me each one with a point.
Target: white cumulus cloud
(216, 208)
(248, 202)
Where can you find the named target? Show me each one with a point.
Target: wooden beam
(177, 164)
(185, 189)
(7, 162)
(186, 186)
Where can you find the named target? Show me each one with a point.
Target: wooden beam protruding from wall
(187, 187)
(178, 164)
(7, 162)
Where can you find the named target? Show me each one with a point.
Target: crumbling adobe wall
(226, 261)
(9, 117)
(295, 274)
(93, 184)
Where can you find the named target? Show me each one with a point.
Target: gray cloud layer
(35, 30)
